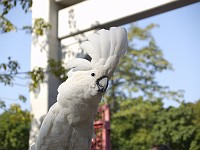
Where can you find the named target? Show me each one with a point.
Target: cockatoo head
(106, 48)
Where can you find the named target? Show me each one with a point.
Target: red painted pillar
(102, 130)
(106, 128)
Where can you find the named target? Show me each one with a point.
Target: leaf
(40, 26)
(2, 104)
(22, 98)
(4, 66)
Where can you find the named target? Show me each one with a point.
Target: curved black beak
(102, 84)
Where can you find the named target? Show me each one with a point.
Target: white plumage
(69, 123)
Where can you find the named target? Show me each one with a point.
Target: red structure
(102, 129)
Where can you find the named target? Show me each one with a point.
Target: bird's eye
(93, 74)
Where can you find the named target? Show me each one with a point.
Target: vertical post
(106, 129)
(42, 49)
(102, 130)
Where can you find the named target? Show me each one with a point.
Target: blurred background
(157, 101)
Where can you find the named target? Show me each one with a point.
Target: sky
(17, 45)
(178, 35)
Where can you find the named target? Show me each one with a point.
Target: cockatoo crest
(106, 48)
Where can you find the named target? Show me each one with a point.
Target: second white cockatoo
(69, 123)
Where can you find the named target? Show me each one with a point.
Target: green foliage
(175, 127)
(22, 98)
(2, 104)
(5, 24)
(141, 123)
(57, 69)
(40, 26)
(14, 129)
(8, 71)
(132, 124)
(38, 74)
(136, 74)
(138, 122)
(196, 112)
(9, 4)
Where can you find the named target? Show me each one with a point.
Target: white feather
(106, 43)
(69, 122)
(79, 64)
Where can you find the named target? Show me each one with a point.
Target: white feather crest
(106, 48)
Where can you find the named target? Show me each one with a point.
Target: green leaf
(4, 66)
(22, 98)
(40, 26)
(2, 104)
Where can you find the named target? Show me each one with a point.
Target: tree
(131, 125)
(175, 126)
(196, 121)
(140, 123)
(136, 97)
(15, 123)
(11, 69)
(14, 129)
(135, 76)
(136, 73)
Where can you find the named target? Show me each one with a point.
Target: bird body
(69, 123)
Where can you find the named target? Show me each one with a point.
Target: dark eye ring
(93, 74)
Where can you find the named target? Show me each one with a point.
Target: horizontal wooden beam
(93, 14)
(67, 3)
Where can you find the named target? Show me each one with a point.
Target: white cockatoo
(69, 123)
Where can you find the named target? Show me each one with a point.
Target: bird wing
(47, 124)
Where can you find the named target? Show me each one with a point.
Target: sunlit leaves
(14, 128)
(138, 117)
(136, 74)
(57, 69)
(37, 76)
(9, 70)
(40, 26)
(5, 24)
(136, 32)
